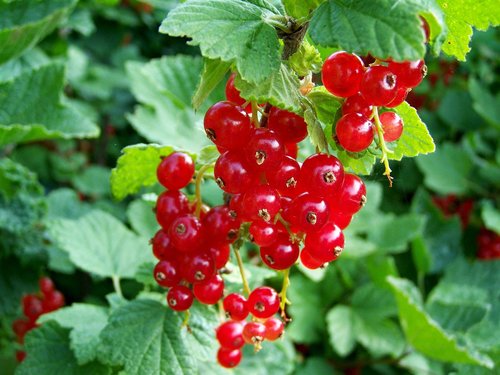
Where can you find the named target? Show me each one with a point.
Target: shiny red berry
(229, 335)
(169, 206)
(232, 173)
(175, 171)
(198, 267)
(263, 233)
(285, 177)
(52, 301)
(326, 244)
(321, 174)
(290, 127)
(281, 254)
(167, 273)
(357, 104)
(409, 73)
(354, 132)
(261, 202)
(308, 212)
(274, 329)
(352, 195)
(236, 306)
(210, 291)
(185, 233)
(264, 151)
(180, 298)
(221, 254)
(232, 93)
(46, 285)
(308, 260)
(392, 126)
(254, 333)
(342, 73)
(32, 306)
(220, 226)
(263, 302)
(401, 94)
(162, 245)
(378, 86)
(229, 358)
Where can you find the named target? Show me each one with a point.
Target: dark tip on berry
(211, 134)
(292, 182)
(151, 241)
(172, 302)
(232, 234)
(424, 70)
(259, 306)
(220, 182)
(390, 80)
(269, 259)
(199, 276)
(363, 200)
(329, 177)
(260, 157)
(257, 339)
(180, 229)
(160, 276)
(154, 209)
(337, 251)
(264, 214)
(311, 218)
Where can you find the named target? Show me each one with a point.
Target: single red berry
(289, 127)
(210, 291)
(308, 260)
(227, 126)
(167, 273)
(326, 244)
(357, 104)
(261, 202)
(354, 132)
(263, 233)
(229, 335)
(236, 207)
(175, 171)
(232, 93)
(292, 150)
(185, 233)
(352, 195)
(281, 254)
(53, 301)
(285, 177)
(32, 307)
(401, 94)
(21, 327)
(409, 73)
(169, 206)
(221, 254)
(198, 267)
(342, 73)
(392, 125)
(46, 285)
(264, 151)
(254, 333)
(236, 306)
(378, 86)
(162, 245)
(232, 173)
(274, 329)
(341, 219)
(308, 212)
(20, 355)
(321, 174)
(263, 302)
(229, 358)
(180, 298)
(220, 226)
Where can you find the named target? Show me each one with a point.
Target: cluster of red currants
(47, 300)
(488, 244)
(382, 84)
(263, 303)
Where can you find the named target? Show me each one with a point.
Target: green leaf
(307, 59)
(280, 88)
(144, 274)
(49, 353)
(424, 334)
(447, 170)
(100, 244)
(165, 87)
(316, 366)
(315, 130)
(136, 167)
(231, 30)
(86, 323)
(358, 164)
(214, 71)
(325, 105)
(381, 28)
(374, 301)
(15, 281)
(146, 337)
(491, 217)
(341, 322)
(208, 155)
(455, 111)
(48, 117)
(142, 218)
(302, 8)
(460, 17)
(416, 139)
(93, 181)
(64, 203)
(380, 337)
(24, 24)
(485, 103)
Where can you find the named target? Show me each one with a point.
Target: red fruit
(292, 150)
(236, 208)
(488, 244)
(180, 298)
(261, 203)
(308, 212)
(21, 327)
(274, 329)
(340, 219)
(32, 307)
(227, 126)
(308, 261)
(321, 174)
(185, 233)
(162, 245)
(236, 306)
(220, 226)
(232, 174)
(262, 233)
(280, 255)
(263, 302)
(354, 132)
(232, 93)
(175, 171)
(289, 127)
(46, 285)
(20, 355)
(392, 126)
(52, 301)
(401, 94)
(264, 151)
(326, 244)
(210, 291)
(342, 73)
(167, 273)
(169, 206)
(220, 253)
(199, 267)
(378, 86)
(357, 104)
(285, 177)
(229, 358)
(409, 73)
(352, 195)
(229, 335)
(254, 333)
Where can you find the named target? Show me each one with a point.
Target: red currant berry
(263, 302)
(221, 253)
(262, 233)
(180, 298)
(162, 245)
(232, 174)
(236, 306)
(32, 307)
(198, 267)
(209, 292)
(21, 327)
(341, 219)
(261, 203)
(409, 73)
(357, 104)
(229, 335)
(274, 329)
(308, 212)
(352, 195)
(229, 358)
(264, 151)
(326, 244)
(392, 125)
(354, 132)
(292, 150)
(321, 174)
(308, 261)
(281, 254)
(289, 127)
(232, 93)
(285, 177)
(342, 73)
(20, 355)
(53, 301)
(175, 171)
(185, 233)
(378, 86)
(254, 333)
(227, 126)
(46, 285)
(167, 273)
(169, 206)
(401, 95)
(221, 227)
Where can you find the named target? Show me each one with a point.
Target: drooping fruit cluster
(262, 304)
(46, 300)
(382, 84)
(488, 244)
(451, 205)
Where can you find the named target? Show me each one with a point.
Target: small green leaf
(306, 60)
(234, 31)
(208, 155)
(93, 181)
(381, 28)
(325, 104)
(358, 164)
(136, 167)
(341, 322)
(280, 88)
(485, 103)
(315, 130)
(142, 218)
(302, 8)
(144, 274)
(214, 71)
(100, 244)
(491, 217)
(64, 203)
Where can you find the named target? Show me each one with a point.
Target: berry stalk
(244, 280)
(199, 179)
(382, 145)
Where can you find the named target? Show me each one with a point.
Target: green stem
(199, 179)
(284, 288)
(246, 288)
(116, 285)
(382, 145)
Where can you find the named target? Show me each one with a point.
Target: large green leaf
(24, 24)
(48, 116)
(460, 17)
(142, 219)
(341, 322)
(100, 244)
(231, 30)
(425, 334)
(49, 353)
(382, 28)
(165, 87)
